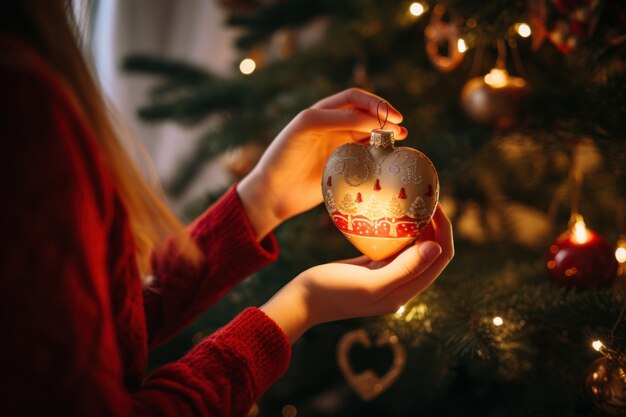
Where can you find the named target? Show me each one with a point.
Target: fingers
(405, 267)
(350, 120)
(359, 261)
(408, 289)
(363, 261)
(357, 98)
(443, 231)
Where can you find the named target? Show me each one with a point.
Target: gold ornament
(379, 196)
(495, 99)
(440, 33)
(605, 386)
(367, 384)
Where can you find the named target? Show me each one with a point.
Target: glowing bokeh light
(523, 30)
(247, 66)
(461, 45)
(597, 345)
(416, 9)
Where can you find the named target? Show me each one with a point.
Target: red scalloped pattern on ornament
(381, 227)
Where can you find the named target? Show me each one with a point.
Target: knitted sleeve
(60, 354)
(181, 291)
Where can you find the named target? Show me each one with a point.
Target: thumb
(406, 266)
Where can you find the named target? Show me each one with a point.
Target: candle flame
(497, 77)
(580, 234)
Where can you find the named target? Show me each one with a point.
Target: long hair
(47, 26)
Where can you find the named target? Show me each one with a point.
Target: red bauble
(587, 262)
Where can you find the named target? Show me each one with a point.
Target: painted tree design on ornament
(395, 211)
(330, 202)
(349, 208)
(418, 208)
(372, 211)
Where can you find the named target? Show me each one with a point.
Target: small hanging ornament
(581, 258)
(399, 189)
(444, 47)
(605, 386)
(565, 23)
(368, 384)
(496, 98)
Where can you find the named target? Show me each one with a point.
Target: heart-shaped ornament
(379, 196)
(367, 383)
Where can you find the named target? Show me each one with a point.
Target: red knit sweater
(76, 323)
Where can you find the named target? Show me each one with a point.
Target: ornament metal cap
(380, 138)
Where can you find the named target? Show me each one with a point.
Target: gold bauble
(495, 99)
(379, 196)
(605, 386)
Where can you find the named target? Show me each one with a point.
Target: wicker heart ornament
(368, 384)
(379, 196)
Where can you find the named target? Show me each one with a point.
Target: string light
(400, 311)
(247, 66)
(597, 345)
(497, 321)
(620, 252)
(523, 30)
(601, 347)
(461, 45)
(416, 9)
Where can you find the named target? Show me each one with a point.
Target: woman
(82, 226)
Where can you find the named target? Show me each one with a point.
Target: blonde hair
(46, 25)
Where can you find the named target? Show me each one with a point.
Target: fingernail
(429, 251)
(403, 130)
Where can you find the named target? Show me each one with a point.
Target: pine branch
(165, 67)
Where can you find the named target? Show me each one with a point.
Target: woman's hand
(359, 287)
(287, 179)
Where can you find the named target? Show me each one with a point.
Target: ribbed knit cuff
(258, 342)
(227, 224)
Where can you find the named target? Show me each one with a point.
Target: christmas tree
(520, 106)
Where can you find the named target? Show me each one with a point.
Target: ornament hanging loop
(501, 62)
(382, 123)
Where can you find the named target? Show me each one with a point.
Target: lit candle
(581, 257)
